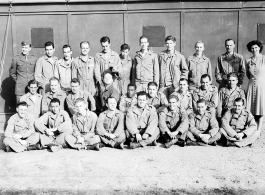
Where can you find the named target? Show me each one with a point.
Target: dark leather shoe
(34, 147)
(134, 145)
(181, 143)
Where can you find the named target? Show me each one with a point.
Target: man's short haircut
(105, 39)
(170, 38)
(132, 85)
(152, 84)
(54, 79)
(67, 46)
(75, 80)
(184, 79)
(111, 97)
(232, 74)
(141, 93)
(80, 100)
(125, 46)
(55, 100)
(239, 100)
(199, 42)
(201, 101)
(229, 40)
(204, 76)
(23, 103)
(143, 37)
(255, 42)
(49, 43)
(173, 97)
(83, 43)
(31, 82)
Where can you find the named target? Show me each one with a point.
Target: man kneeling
(20, 133)
(141, 122)
(84, 123)
(238, 126)
(203, 126)
(173, 123)
(110, 125)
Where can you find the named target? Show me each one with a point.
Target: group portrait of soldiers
(112, 100)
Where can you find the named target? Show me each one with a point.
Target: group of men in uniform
(136, 100)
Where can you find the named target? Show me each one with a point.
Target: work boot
(191, 143)
(154, 143)
(171, 143)
(213, 143)
(101, 145)
(134, 145)
(8, 149)
(181, 143)
(229, 143)
(93, 147)
(34, 147)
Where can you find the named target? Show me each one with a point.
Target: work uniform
(45, 69)
(106, 92)
(88, 72)
(24, 127)
(49, 96)
(142, 120)
(170, 121)
(159, 101)
(111, 123)
(34, 104)
(64, 73)
(22, 71)
(227, 64)
(145, 69)
(198, 67)
(61, 121)
(172, 68)
(226, 99)
(233, 123)
(126, 102)
(210, 96)
(203, 124)
(126, 74)
(83, 126)
(185, 100)
(71, 98)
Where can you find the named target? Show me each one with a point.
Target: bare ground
(151, 170)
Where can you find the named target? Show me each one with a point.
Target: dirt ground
(151, 170)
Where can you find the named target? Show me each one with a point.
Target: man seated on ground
(203, 126)
(53, 126)
(227, 95)
(156, 98)
(238, 126)
(55, 92)
(20, 134)
(184, 96)
(33, 99)
(129, 99)
(110, 125)
(141, 123)
(173, 123)
(76, 93)
(208, 92)
(84, 123)
(107, 89)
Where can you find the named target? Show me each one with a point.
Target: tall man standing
(22, 69)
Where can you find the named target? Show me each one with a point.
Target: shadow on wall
(8, 95)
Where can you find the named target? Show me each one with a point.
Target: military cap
(24, 43)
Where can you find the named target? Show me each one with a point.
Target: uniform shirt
(87, 72)
(234, 123)
(34, 106)
(126, 102)
(197, 67)
(141, 118)
(205, 123)
(226, 99)
(45, 69)
(210, 96)
(22, 71)
(185, 100)
(71, 98)
(126, 74)
(175, 64)
(84, 125)
(16, 125)
(110, 91)
(64, 73)
(49, 96)
(159, 101)
(227, 64)
(49, 120)
(146, 68)
(108, 123)
(170, 121)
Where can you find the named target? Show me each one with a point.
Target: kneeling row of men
(142, 127)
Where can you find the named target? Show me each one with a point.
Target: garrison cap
(24, 43)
